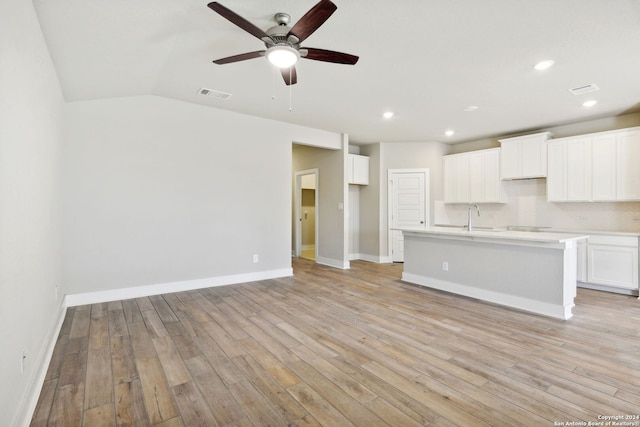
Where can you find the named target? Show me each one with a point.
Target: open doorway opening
(307, 214)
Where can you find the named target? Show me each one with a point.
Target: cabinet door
(603, 173)
(613, 266)
(628, 170)
(510, 160)
(579, 170)
(360, 169)
(533, 158)
(557, 172)
(582, 261)
(456, 179)
(493, 186)
(476, 178)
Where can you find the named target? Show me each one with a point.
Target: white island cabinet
(530, 271)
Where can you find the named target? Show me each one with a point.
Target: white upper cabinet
(456, 178)
(595, 167)
(627, 165)
(603, 168)
(358, 169)
(524, 156)
(473, 177)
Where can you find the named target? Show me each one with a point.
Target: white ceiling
(424, 59)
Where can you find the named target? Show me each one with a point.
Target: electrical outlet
(583, 218)
(256, 258)
(445, 266)
(23, 357)
(636, 220)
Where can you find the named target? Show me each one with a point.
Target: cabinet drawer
(627, 241)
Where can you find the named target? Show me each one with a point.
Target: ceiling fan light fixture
(282, 56)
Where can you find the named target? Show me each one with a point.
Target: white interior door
(409, 206)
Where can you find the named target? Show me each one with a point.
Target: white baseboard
(29, 400)
(605, 288)
(525, 304)
(344, 265)
(73, 300)
(372, 258)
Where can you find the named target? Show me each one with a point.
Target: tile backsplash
(527, 205)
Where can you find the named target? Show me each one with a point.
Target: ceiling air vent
(584, 89)
(214, 93)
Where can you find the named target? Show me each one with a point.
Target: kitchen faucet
(469, 227)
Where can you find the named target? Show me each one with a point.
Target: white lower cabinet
(582, 261)
(613, 261)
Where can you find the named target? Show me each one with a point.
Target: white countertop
(610, 233)
(513, 236)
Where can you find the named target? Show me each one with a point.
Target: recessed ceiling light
(543, 65)
(471, 108)
(589, 103)
(449, 132)
(388, 114)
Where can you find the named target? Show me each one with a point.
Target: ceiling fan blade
(328, 56)
(289, 75)
(238, 20)
(241, 57)
(312, 20)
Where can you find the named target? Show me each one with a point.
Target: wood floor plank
(221, 403)
(130, 409)
(192, 406)
(319, 408)
(158, 400)
(172, 363)
(66, 409)
(99, 381)
(117, 323)
(45, 401)
(131, 311)
(339, 347)
(80, 324)
(258, 410)
(99, 416)
(123, 367)
(287, 407)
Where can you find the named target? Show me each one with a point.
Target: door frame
(427, 212)
(298, 209)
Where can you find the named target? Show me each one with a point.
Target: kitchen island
(532, 271)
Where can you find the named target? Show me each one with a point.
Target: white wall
(159, 191)
(30, 138)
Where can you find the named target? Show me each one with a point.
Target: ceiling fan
(283, 42)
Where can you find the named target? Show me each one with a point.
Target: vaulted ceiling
(425, 60)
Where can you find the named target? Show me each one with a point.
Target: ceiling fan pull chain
(290, 89)
(273, 83)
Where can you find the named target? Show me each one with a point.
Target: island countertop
(526, 238)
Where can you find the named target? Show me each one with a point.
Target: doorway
(408, 194)
(306, 214)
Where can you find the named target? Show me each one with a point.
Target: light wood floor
(338, 348)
